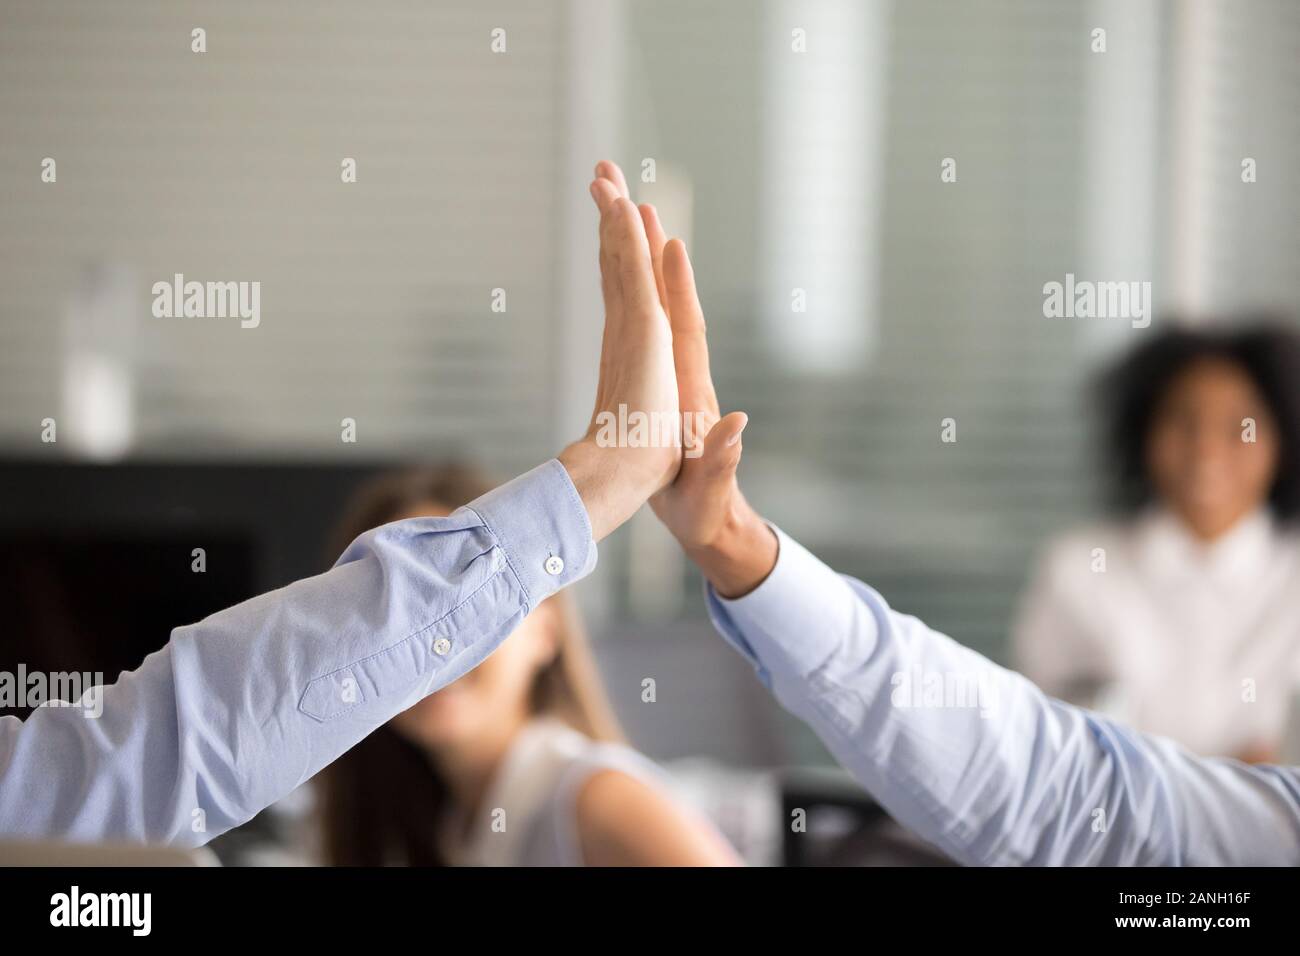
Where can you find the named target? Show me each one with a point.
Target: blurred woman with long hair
(520, 762)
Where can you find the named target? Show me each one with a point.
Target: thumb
(722, 445)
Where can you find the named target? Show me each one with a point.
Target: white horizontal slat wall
(225, 165)
(1245, 104)
(852, 462)
(947, 530)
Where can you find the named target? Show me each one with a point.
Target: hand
(636, 375)
(703, 507)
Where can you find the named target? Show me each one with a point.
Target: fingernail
(736, 437)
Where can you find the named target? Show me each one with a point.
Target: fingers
(690, 344)
(623, 238)
(604, 193)
(610, 185)
(722, 446)
(626, 258)
(679, 282)
(654, 233)
(605, 169)
(609, 172)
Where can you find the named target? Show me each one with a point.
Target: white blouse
(529, 815)
(1197, 642)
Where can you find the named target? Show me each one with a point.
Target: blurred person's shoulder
(576, 759)
(1279, 559)
(1153, 547)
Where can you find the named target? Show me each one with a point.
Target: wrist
(740, 555)
(611, 490)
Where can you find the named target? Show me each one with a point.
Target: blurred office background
(817, 171)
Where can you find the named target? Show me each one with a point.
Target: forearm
(977, 760)
(242, 707)
(610, 488)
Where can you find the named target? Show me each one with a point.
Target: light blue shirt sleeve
(242, 707)
(978, 761)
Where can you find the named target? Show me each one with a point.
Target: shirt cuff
(793, 622)
(542, 528)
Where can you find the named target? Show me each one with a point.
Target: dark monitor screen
(101, 601)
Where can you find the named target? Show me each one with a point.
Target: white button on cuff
(441, 646)
(554, 564)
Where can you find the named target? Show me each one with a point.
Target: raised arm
(242, 707)
(971, 757)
